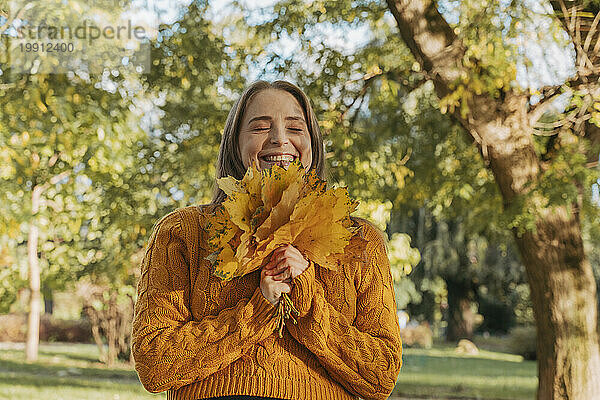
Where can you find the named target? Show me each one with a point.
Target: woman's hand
(276, 276)
(271, 288)
(286, 263)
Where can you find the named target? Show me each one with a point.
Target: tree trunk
(562, 286)
(563, 292)
(48, 303)
(461, 318)
(35, 304)
(95, 322)
(48, 306)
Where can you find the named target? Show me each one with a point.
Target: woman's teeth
(279, 158)
(282, 161)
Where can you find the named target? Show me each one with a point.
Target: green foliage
(12, 264)
(192, 70)
(121, 170)
(493, 36)
(407, 293)
(72, 137)
(44, 26)
(402, 256)
(565, 182)
(489, 59)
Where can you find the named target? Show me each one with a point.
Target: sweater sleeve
(364, 355)
(169, 347)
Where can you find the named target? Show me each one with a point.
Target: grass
(72, 371)
(442, 373)
(67, 371)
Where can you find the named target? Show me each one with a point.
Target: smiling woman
(269, 119)
(274, 131)
(198, 337)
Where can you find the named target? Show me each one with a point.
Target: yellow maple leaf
(229, 185)
(277, 179)
(280, 213)
(238, 208)
(253, 181)
(220, 228)
(226, 264)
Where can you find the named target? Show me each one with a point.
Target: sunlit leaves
(294, 207)
(402, 255)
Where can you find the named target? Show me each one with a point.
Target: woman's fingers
(275, 258)
(278, 269)
(286, 274)
(272, 288)
(286, 262)
(271, 265)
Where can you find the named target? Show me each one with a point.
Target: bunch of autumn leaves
(275, 207)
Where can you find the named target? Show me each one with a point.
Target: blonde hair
(229, 161)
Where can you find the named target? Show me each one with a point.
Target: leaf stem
(285, 310)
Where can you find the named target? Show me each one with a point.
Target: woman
(199, 337)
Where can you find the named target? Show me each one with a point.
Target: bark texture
(563, 289)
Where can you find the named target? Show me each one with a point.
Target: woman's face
(273, 131)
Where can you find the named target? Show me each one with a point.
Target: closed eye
(298, 130)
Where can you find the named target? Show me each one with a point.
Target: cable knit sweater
(196, 336)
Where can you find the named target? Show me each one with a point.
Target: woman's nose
(278, 133)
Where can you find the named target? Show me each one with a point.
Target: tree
(500, 122)
(477, 272)
(124, 170)
(56, 132)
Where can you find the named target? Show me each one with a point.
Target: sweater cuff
(302, 291)
(263, 310)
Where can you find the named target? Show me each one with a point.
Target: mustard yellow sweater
(199, 337)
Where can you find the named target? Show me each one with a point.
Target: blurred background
(96, 146)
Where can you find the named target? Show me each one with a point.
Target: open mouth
(282, 161)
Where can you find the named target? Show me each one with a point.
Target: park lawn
(442, 373)
(65, 372)
(72, 371)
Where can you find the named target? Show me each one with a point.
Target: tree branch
(367, 81)
(401, 79)
(431, 40)
(551, 92)
(580, 20)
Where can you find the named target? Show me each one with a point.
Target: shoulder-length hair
(229, 161)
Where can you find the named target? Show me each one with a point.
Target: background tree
(48, 150)
(549, 234)
(60, 135)
(101, 168)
